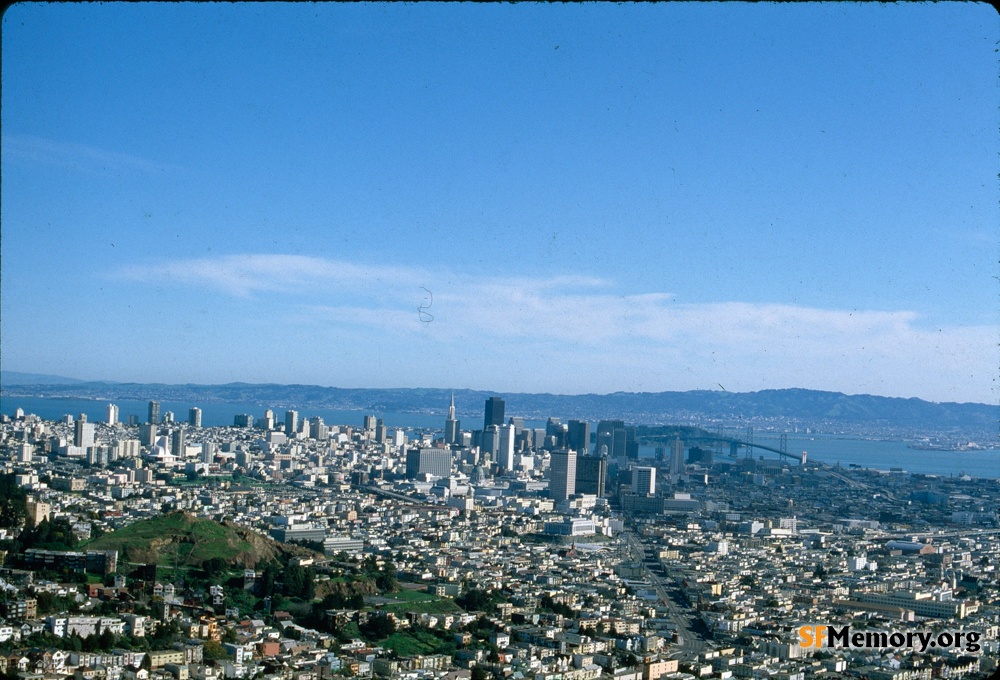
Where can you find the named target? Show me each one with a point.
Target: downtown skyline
(517, 198)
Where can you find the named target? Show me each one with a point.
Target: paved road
(681, 617)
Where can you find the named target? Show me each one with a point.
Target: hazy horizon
(719, 389)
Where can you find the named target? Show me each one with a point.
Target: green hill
(187, 541)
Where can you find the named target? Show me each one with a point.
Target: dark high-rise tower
(578, 437)
(291, 423)
(591, 475)
(494, 412)
(451, 424)
(154, 412)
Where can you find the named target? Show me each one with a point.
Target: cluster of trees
(384, 576)
(378, 626)
(550, 605)
(54, 534)
(13, 511)
(295, 581)
(479, 600)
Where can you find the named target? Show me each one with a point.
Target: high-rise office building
(644, 480)
(420, 461)
(505, 447)
(591, 475)
(154, 413)
(578, 436)
(243, 420)
(555, 434)
(112, 418)
(490, 442)
(207, 452)
(677, 457)
(318, 429)
(267, 422)
(178, 443)
(518, 424)
(83, 434)
(194, 417)
(631, 443)
(705, 457)
(291, 423)
(494, 412)
(147, 434)
(451, 425)
(611, 436)
(562, 475)
(370, 423)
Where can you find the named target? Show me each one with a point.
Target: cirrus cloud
(578, 333)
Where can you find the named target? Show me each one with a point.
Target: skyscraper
(451, 425)
(112, 418)
(291, 423)
(505, 447)
(591, 475)
(154, 413)
(436, 462)
(644, 481)
(578, 437)
(178, 445)
(555, 434)
(494, 412)
(611, 434)
(517, 422)
(207, 452)
(562, 475)
(83, 434)
(677, 457)
(318, 429)
(490, 441)
(147, 434)
(194, 417)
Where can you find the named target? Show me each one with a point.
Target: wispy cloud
(77, 156)
(649, 340)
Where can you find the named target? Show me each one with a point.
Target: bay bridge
(735, 443)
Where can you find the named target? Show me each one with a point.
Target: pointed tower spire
(451, 426)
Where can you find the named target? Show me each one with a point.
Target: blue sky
(514, 197)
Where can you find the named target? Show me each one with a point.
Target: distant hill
(16, 378)
(831, 411)
(185, 540)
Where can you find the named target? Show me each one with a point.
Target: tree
(215, 567)
(386, 578)
(213, 650)
(377, 627)
(54, 534)
(478, 600)
(13, 498)
(265, 584)
(548, 604)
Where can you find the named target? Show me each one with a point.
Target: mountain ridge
(791, 404)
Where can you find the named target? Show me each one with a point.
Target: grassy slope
(181, 539)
